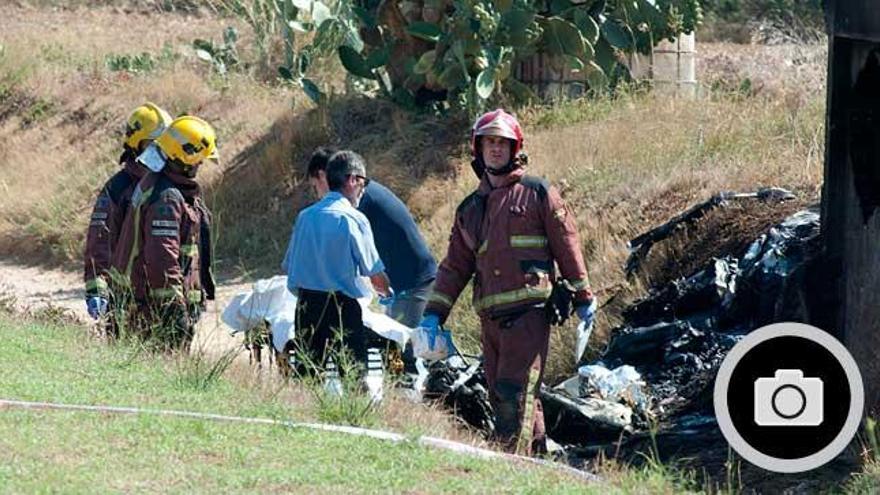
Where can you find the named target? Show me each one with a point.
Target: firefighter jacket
(508, 239)
(164, 252)
(108, 215)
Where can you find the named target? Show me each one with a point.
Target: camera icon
(789, 399)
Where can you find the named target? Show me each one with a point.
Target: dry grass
(76, 141)
(265, 186)
(724, 231)
(395, 413)
(780, 72)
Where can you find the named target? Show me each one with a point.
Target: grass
(74, 369)
(43, 450)
(89, 452)
(80, 452)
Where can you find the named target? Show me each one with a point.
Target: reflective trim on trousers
(523, 446)
(97, 284)
(513, 296)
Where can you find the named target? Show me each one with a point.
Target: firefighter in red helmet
(509, 236)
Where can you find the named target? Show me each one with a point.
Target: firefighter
(144, 125)
(508, 235)
(164, 257)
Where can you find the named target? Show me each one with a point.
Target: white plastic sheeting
(622, 384)
(269, 301)
(422, 348)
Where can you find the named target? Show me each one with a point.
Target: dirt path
(32, 288)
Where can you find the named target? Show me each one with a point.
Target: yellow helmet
(189, 140)
(146, 123)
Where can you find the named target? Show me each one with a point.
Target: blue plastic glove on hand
(96, 306)
(587, 313)
(387, 301)
(432, 324)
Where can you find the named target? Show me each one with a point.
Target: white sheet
(270, 301)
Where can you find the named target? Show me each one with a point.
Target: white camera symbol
(789, 399)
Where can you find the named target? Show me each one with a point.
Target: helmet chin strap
(127, 154)
(187, 171)
(510, 167)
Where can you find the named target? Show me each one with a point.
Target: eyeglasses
(366, 180)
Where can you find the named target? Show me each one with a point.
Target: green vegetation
(79, 451)
(83, 452)
(75, 451)
(142, 62)
(460, 51)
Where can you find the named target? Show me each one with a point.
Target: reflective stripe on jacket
(508, 239)
(160, 250)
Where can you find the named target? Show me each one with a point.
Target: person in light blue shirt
(330, 257)
(408, 260)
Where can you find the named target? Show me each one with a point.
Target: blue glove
(587, 312)
(431, 322)
(387, 301)
(96, 306)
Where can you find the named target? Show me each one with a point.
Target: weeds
(7, 303)
(222, 57)
(54, 314)
(143, 62)
(39, 110)
(336, 386)
(649, 477)
(58, 54)
(733, 473)
(140, 63)
(868, 480)
(200, 371)
(13, 73)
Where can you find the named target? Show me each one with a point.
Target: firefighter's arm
(565, 245)
(161, 228)
(97, 252)
(453, 274)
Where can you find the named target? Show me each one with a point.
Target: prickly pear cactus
(461, 53)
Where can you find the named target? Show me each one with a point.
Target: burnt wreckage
(656, 375)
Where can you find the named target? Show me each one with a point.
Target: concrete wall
(671, 68)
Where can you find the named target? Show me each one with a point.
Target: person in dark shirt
(409, 263)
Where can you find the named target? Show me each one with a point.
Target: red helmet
(497, 123)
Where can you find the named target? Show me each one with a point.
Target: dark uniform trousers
(514, 353)
(326, 323)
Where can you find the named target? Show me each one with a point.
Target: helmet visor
(153, 158)
(497, 127)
